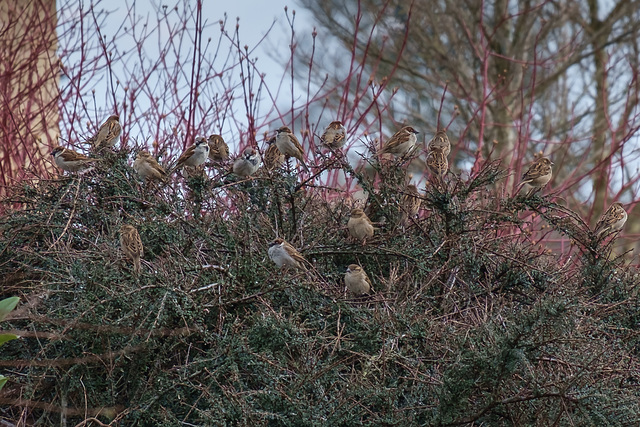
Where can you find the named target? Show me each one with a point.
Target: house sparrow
(218, 149)
(248, 163)
(401, 142)
(538, 175)
(131, 245)
(611, 221)
(195, 155)
(357, 280)
(359, 225)
(69, 160)
(437, 162)
(334, 135)
(273, 158)
(285, 255)
(289, 145)
(107, 135)
(410, 204)
(148, 168)
(440, 140)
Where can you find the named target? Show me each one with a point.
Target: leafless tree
(525, 77)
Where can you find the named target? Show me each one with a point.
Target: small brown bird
(284, 255)
(538, 175)
(131, 245)
(218, 149)
(357, 280)
(289, 145)
(148, 168)
(438, 166)
(69, 160)
(248, 163)
(410, 204)
(107, 134)
(334, 135)
(401, 142)
(437, 162)
(194, 155)
(440, 140)
(611, 221)
(359, 225)
(273, 158)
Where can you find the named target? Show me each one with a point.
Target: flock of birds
(285, 145)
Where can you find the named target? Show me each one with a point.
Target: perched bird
(334, 135)
(218, 149)
(289, 145)
(148, 168)
(410, 204)
(357, 280)
(611, 221)
(437, 163)
(131, 245)
(285, 255)
(538, 175)
(273, 158)
(401, 142)
(248, 163)
(69, 160)
(440, 140)
(359, 225)
(107, 135)
(195, 155)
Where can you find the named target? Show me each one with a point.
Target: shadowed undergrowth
(473, 320)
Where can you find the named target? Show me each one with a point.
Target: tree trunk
(601, 154)
(29, 75)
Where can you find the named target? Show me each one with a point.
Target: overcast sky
(255, 20)
(256, 16)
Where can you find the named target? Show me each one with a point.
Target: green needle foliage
(475, 319)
